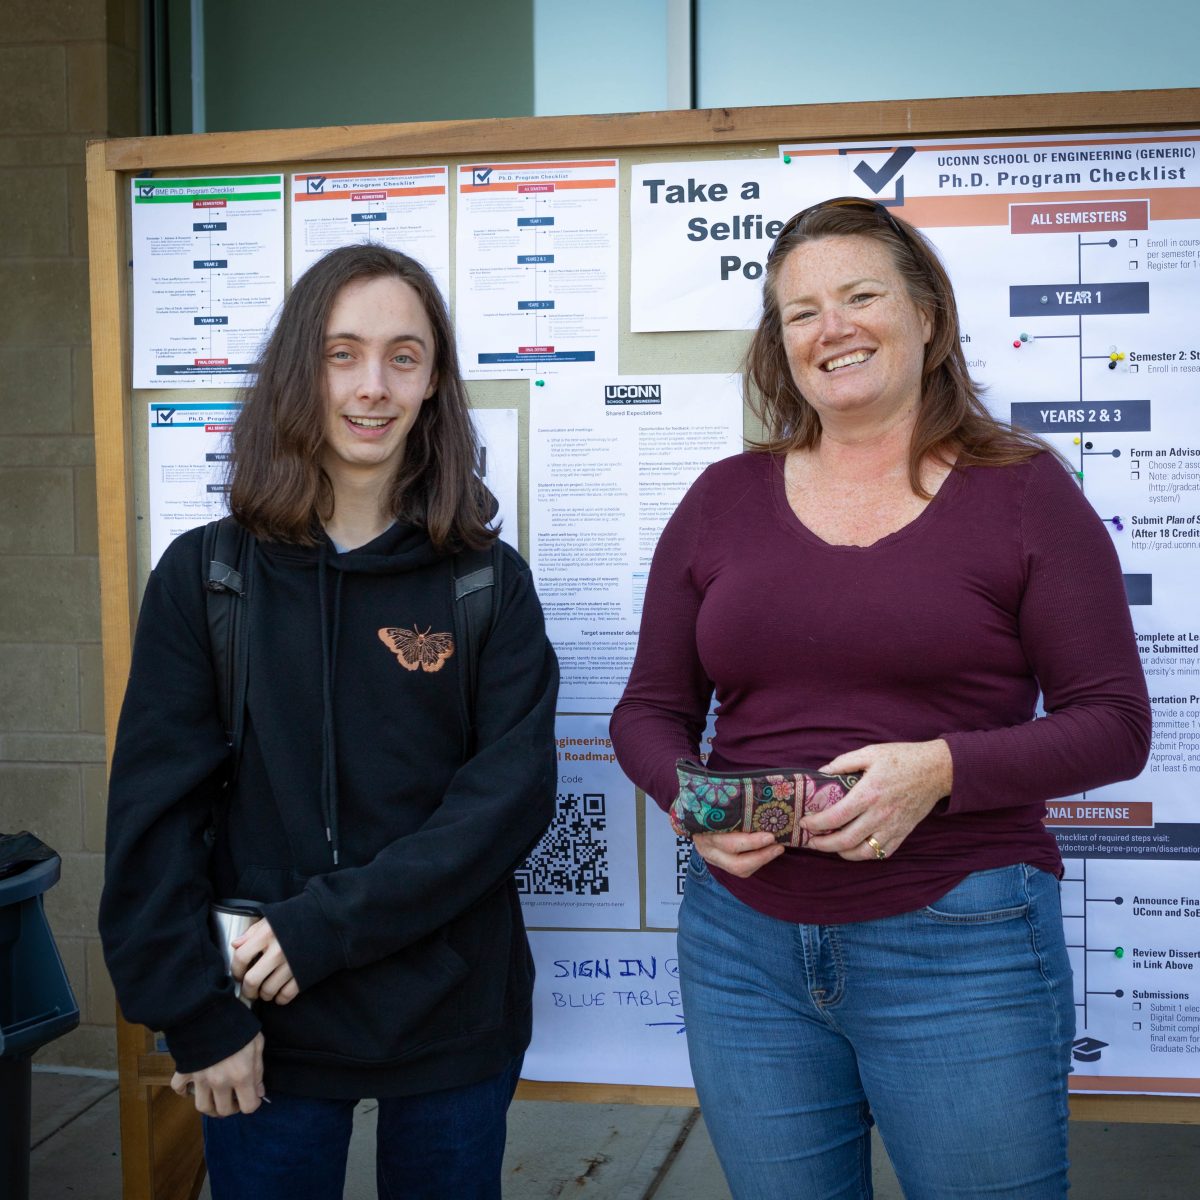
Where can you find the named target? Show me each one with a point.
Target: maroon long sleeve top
(1005, 585)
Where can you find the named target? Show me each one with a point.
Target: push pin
(539, 383)
(1118, 525)
(787, 158)
(1076, 440)
(1118, 952)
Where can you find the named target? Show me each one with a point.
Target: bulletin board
(688, 151)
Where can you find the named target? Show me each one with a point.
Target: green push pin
(787, 158)
(1079, 476)
(1119, 952)
(539, 383)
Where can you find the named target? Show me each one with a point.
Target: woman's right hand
(740, 854)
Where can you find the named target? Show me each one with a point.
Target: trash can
(36, 1002)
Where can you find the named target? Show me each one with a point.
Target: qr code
(572, 857)
(683, 855)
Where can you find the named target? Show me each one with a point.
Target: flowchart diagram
(208, 277)
(1076, 264)
(405, 209)
(537, 268)
(1108, 370)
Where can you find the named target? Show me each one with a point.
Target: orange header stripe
(559, 185)
(945, 212)
(438, 190)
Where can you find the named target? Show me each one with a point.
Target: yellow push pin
(1076, 441)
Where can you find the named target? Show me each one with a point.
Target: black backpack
(227, 566)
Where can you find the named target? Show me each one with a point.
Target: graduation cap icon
(1087, 1049)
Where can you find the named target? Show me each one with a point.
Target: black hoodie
(379, 843)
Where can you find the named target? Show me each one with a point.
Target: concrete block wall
(70, 71)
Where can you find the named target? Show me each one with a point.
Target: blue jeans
(950, 1027)
(445, 1145)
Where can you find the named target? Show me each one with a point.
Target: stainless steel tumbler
(229, 919)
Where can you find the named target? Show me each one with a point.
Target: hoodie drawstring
(329, 645)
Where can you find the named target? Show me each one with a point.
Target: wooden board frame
(158, 1161)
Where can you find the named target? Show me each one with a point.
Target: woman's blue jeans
(950, 1026)
(446, 1145)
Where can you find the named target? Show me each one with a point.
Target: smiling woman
(879, 589)
(854, 339)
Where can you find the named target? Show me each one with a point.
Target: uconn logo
(633, 393)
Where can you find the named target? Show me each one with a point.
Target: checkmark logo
(165, 415)
(481, 176)
(146, 189)
(878, 180)
(316, 183)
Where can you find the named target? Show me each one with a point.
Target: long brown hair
(951, 419)
(278, 488)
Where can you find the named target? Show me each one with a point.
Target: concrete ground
(597, 1151)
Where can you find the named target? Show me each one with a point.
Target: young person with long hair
(882, 587)
(374, 821)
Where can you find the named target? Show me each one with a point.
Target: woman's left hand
(900, 784)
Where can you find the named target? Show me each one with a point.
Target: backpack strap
(478, 575)
(227, 563)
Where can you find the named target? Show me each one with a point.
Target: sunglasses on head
(860, 202)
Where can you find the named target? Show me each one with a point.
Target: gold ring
(880, 852)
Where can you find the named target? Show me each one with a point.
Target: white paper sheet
(610, 458)
(498, 434)
(207, 277)
(606, 1009)
(403, 208)
(666, 868)
(536, 268)
(583, 874)
(1075, 264)
(188, 460)
(667, 856)
(699, 234)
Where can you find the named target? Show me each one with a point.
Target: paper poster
(537, 268)
(188, 463)
(606, 1009)
(667, 857)
(583, 874)
(610, 457)
(699, 234)
(498, 438)
(402, 208)
(1076, 265)
(207, 278)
